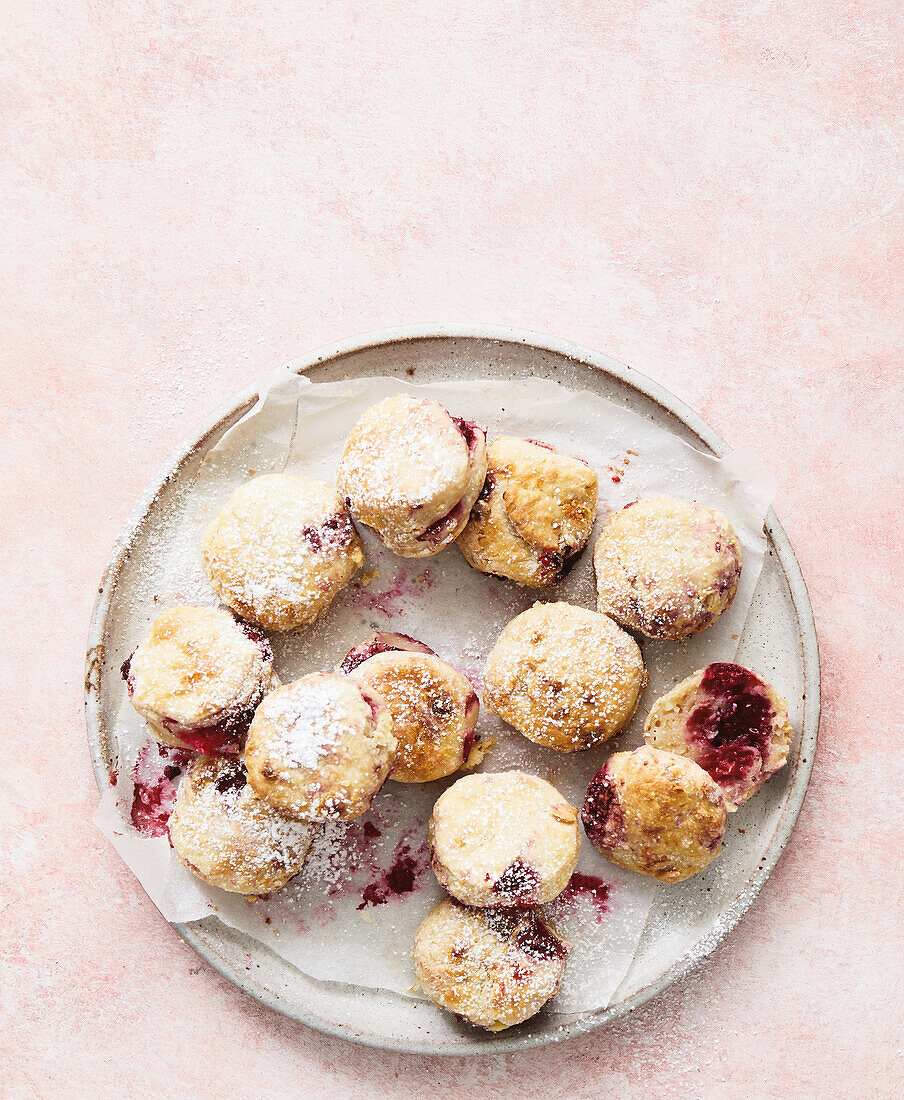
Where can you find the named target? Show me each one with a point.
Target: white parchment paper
(352, 913)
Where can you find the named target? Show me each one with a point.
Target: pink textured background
(195, 190)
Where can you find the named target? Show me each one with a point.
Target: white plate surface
(779, 640)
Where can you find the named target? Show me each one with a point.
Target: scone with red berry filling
(503, 839)
(492, 968)
(730, 722)
(320, 748)
(434, 708)
(197, 678)
(227, 836)
(656, 813)
(666, 568)
(534, 513)
(412, 472)
(281, 549)
(564, 676)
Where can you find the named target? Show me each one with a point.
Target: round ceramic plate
(779, 639)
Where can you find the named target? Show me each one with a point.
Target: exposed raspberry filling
(471, 432)
(382, 642)
(232, 777)
(517, 884)
(601, 813)
(468, 744)
(335, 533)
(436, 532)
(535, 939)
(731, 725)
(540, 941)
(226, 736)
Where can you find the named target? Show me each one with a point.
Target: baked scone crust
(197, 677)
(320, 748)
(492, 968)
(534, 513)
(564, 676)
(227, 836)
(434, 711)
(281, 549)
(666, 568)
(728, 720)
(656, 813)
(503, 839)
(411, 472)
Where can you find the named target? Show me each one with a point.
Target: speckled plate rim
(712, 442)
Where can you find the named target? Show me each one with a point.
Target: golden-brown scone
(320, 748)
(728, 720)
(503, 839)
(492, 968)
(655, 812)
(564, 676)
(197, 677)
(222, 832)
(434, 711)
(412, 471)
(280, 549)
(534, 514)
(666, 568)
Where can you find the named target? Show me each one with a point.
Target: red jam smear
(153, 798)
(591, 887)
(601, 813)
(731, 725)
(403, 877)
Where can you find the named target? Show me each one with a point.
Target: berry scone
(222, 832)
(281, 549)
(564, 676)
(666, 568)
(197, 678)
(412, 472)
(492, 968)
(728, 720)
(434, 708)
(503, 839)
(655, 812)
(534, 513)
(320, 748)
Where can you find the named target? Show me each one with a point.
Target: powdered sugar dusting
(306, 722)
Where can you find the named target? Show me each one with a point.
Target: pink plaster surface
(196, 190)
